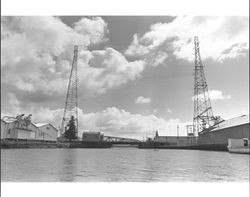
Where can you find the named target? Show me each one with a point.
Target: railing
(121, 140)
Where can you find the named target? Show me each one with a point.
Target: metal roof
(240, 120)
(40, 124)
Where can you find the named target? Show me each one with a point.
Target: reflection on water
(122, 164)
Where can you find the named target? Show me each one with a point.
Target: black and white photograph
(125, 99)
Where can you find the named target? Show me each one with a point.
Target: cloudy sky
(135, 73)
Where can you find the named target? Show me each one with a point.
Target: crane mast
(203, 117)
(71, 104)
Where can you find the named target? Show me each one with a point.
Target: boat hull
(239, 150)
(100, 144)
(238, 146)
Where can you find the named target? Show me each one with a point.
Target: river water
(122, 165)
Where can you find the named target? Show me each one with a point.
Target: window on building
(245, 142)
(9, 131)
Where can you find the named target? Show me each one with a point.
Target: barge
(82, 144)
(239, 146)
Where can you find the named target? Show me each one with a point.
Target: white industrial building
(48, 129)
(18, 129)
(3, 129)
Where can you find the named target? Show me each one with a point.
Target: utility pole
(177, 130)
(203, 114)
(71, 104)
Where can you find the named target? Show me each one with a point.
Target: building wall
(24, 134)
(91, 137)
(38, 132)
(238, 143)
(10, 131)
(221, 136)
(50, 132)
(40, 135)
(176, 141)
(3, 129)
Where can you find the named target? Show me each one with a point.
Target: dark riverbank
(101, 144)
(213, 147)
(7, 144)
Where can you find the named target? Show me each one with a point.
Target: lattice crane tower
(71, 104)
(203, 113)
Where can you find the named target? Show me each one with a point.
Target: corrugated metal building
(49, 130)
(92, 137)
(217, 138)
(175, 141)
(14, 130)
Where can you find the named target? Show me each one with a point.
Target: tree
(70, 131)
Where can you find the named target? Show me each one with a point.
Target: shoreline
(26, 144)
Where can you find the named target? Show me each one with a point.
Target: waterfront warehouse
(217, 138)
(20, 129)
(49, 130)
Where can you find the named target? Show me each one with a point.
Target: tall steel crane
(71, 104)
(203, 118)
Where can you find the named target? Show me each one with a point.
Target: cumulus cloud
(36, 55)
(95, 28)
(220, 38)
(155, 111)
(36, 58)
(169, 110)
(214, 95)
(218, 95)
(155, 58)
(35, 50)
(37, 35)
(13, 105)
(101, 70)
(118, 122)
(142, 100)
(111, 121)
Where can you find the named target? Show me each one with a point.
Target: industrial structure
(92, 137)
(217, 138)
(48, 128)
(214, 139)
(203, 118)
(121, 140)
(71, 104)
(162, 141)
(213, 132)
(208, 131)
(100, 137)
(21, 128)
